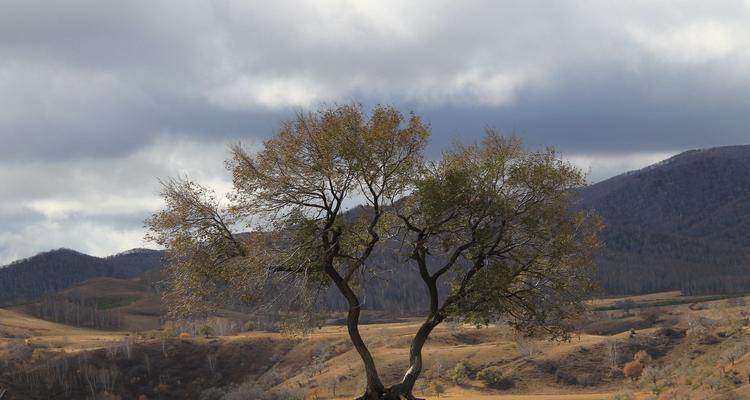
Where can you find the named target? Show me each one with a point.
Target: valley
(696, 349)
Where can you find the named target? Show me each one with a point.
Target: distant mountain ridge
(680, 224)
(683, 223)
(54, 270)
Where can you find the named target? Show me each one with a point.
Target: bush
(642, 357)
(458, 374)
(588, 379)
(547, 366)
(438, 389)
(633, 369)
(205, 330)
(493, 378)
(652, 375)
(709, 340)
(565, 378)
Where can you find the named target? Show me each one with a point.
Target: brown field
(690, 344)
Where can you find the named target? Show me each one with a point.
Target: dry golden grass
(479, 348)
(651, 297)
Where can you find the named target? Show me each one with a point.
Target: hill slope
(683, 223)
(59, 269)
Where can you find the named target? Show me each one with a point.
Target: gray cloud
(97, 99)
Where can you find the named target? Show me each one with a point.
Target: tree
(498, 220)
(495, 218)
(632, 369)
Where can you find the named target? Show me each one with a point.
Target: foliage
(632, 369)
(493, 378)
(205, 330)
(459, 373)
(643, 357)
(651, 375)
(494, 219)
(502, 217)
(438, 389)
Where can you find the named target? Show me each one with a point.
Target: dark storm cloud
(99, 98)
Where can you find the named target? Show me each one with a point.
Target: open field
(692, 346)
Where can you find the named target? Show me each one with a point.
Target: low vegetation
(676, 361)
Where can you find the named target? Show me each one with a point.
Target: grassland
(697, 348)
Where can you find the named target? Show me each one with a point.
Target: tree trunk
(405, 388)
(374, 386)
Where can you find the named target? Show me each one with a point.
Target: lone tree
(494, 223)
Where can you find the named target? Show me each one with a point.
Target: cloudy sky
(100, 98)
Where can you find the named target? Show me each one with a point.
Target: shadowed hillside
(683, 223)
(55, 270)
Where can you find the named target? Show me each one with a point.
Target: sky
(99, 99)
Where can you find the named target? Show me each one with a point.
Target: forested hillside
(59, 269)
(681, 224)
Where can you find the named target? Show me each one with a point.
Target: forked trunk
(404, 389)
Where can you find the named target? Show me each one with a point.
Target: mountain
(55, 270)
(683, 223)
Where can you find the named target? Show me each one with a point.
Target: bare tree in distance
(493, 220)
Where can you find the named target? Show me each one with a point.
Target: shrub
(642, 357)
(547, 366)
(708, 340)
(633, 369)
(588, 379)
(493, 378)
(458, 374)
(438, 389)
(205, 330)
(565, 377)
(734, 353)
(652, 374)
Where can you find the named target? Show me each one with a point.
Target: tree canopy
(492, 220)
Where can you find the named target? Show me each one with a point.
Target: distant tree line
(74, 311)
(52, 271)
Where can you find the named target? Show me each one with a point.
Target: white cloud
(92, 237)
(273, 93)
(97, 206)
(493, 89)
(87, 92)
(696, 42)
